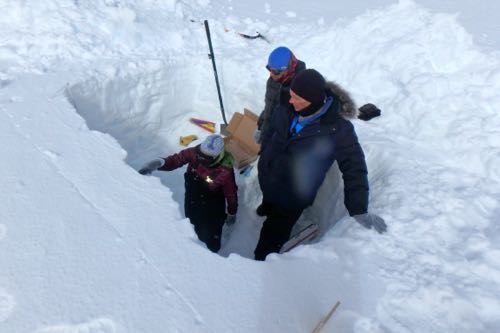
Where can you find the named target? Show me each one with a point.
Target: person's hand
(371, 220)
(230, 219)
(257, 136)
(151, 166)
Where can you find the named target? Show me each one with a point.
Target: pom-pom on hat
(310, 85)
(213, 145)
(279, 58)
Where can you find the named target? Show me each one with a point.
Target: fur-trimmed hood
(348, 109)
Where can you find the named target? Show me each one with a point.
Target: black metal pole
(212, 56)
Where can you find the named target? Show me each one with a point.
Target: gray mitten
(230, 219)
(371, 220)
(151, 166)
(256, 136)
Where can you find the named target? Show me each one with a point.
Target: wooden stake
(323, 321)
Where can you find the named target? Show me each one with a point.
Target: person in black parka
(305, 138)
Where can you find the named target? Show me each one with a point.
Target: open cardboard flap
(240, 140)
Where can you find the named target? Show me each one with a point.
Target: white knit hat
(213, 145)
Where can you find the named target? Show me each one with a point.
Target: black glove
(368, 111)
(371, 220)
(230, 219)
(151, 166)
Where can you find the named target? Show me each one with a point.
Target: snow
(90, 90)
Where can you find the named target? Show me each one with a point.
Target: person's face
(298, 102)
(276, 77)
(275, 74)
(205, 160)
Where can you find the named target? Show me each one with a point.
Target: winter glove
(230, 219)
(256, 136)
(371, 220)
(152, 166)
(368, 111)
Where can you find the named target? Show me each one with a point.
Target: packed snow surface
(90, 90)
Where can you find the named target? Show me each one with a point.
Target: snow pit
(147, 113)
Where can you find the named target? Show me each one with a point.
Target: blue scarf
(297, 125)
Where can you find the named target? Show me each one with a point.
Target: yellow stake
(186, 140)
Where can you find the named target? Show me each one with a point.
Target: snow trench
(141, 112)
(148, 112)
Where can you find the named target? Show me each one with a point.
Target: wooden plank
(323, 321)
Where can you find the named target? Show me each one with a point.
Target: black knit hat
(310, 85)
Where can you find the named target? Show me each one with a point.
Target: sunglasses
(275, 71)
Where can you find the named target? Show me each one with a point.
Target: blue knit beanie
(213, 145)
(279, 58)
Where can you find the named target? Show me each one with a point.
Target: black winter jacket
(276, 94)
(292, 168)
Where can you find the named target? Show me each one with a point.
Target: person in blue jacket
(306, 137)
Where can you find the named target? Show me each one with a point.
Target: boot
(263, 209)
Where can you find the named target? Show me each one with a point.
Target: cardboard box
(240, 141)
